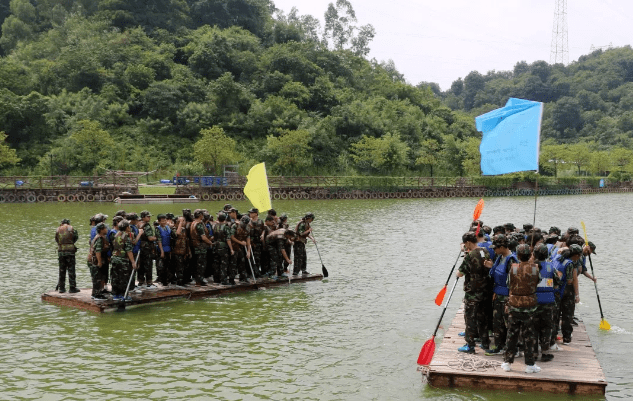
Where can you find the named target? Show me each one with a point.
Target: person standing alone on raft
(66, 236)
(523, 280)
(475, 287)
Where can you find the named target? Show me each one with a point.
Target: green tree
(578, 154)
(8, 157)
(383, 155)
(290, 151)
(91, 145)
(428, 154)
(600, 162)
(215, 149)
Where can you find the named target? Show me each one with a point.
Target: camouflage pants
(288, 249)
(208, 272)
(476, 323)
(499, 321)
(543, 326)
(201, 266)
(265, 261)
(488, 306)
(256, 248)
(274, 261)
(105, 268)
(146, 264)
(239, 260)
(179, 262)
(555, 319)
(222, 258)
(520, 323)
(67, 264)
(163, 268)
(120, 275)
(96, 279)
(300, 257)
(567, 309)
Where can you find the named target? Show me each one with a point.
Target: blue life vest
(499, 274)
(545, 289)
(210, 228)
(93, 233)
(165, 238)
(110, 235)
(561, 264)
(551, 251)
(137, 247)
(487, 246)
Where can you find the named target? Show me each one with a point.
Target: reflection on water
(354, 336)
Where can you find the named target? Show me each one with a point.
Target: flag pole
(535, 199)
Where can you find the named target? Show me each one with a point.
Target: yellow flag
(256, 189)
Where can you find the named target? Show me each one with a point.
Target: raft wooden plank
(574, 370)
(83, 300)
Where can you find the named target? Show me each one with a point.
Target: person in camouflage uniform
(66, 237)
(475, 275)
(223, 250)
(256, 228)
(544, 315)
(303, 231)
(148, 249)
(275, 241)
(122, 260)
(240, 240)
(283, 223)
(96, 262)
(570, 293)
(498, 272)
(200, 243)
(523, 280)
(181, 251)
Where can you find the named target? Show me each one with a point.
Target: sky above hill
(441, 41)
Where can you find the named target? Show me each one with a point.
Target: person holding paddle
(475, 287)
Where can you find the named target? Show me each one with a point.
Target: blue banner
(511, 139)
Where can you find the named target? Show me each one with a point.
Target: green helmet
(575, 249)
(523, 250)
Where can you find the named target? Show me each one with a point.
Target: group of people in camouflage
(519, 285)
(191, 246)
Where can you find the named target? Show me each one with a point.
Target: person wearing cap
(487, 293)
(510, 228)
(66, 236)
(303, 231)
(96, 261)
(147, 250)
(241, 244)
(523, 280)
(273, 213)
(283, 223)
(499, 274)
(163, 264)
(122, 260)
(181, 251)
(570, 266)
(587, 250)
(200, 241)
(120, 213)
(475, 275)
(275, 240)
(546, 299)
(98, 218)
(222, 237)
(269, 227)
(256, 228)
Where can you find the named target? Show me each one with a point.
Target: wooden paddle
(428, 349)
(604, 325)
(121, 305)
(439, 298)
(323, 269)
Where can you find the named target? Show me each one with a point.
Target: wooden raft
(83, 300)
(574, 370)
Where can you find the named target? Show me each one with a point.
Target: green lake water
(354, 336)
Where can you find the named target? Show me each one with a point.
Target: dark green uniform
(146, 259)
(299, 248)
(475, 286)
(256, 228)
(66, 237)
(96, 246)
(121, 266)
(199, 249)
(222, 234)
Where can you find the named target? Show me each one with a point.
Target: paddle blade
(426, 354)
(604, 325)
(440, 296)
(324, 270)
(478, 209)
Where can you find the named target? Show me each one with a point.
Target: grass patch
(157, 190)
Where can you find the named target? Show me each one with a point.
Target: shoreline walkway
(574, 370)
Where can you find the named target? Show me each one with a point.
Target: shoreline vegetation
(185, 87)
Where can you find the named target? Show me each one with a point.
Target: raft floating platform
(127, 199)
(574, 370)
(83, 300)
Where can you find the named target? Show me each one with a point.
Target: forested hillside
(588, 118)
(186, 86)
